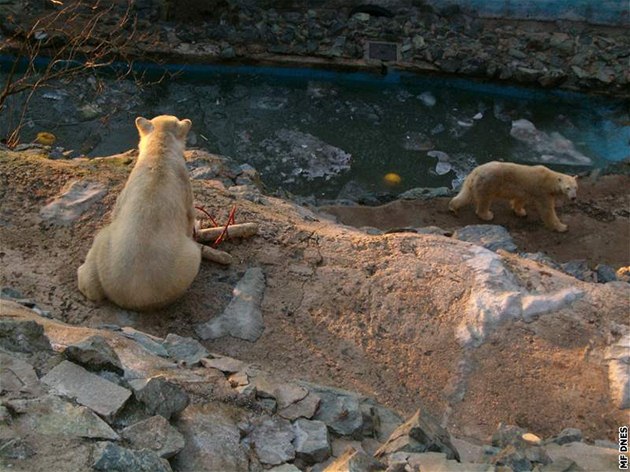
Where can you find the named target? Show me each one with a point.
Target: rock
(242, 318)
(605, 273)
(187, 350)
(421, 433)
(150, 343)
(109, 457)
(161, 397)
(508, 435)
(155, 434)
(424, 193)
(287, 394)
(16, 449)
(212, 440)
(74, 200)
(512, 458)
(311, 441)
(567, 435)
(51, 416)
(355, 461)
(272, 439)
(491, 237)
(284, 468)
(339, 409)
(95, 354)
(304, 408)
(23, 336)
(98, 394)
(585, 456)
(618, 357)
(224, 364)
(579, 269)
(383, 421)
(437, 461)
(17, 377)
(562, 464)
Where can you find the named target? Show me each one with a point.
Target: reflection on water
(314, 137)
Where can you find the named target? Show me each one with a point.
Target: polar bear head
(567, 185)
(161, 127)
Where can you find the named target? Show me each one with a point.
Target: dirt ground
(371, 314)
(599, 222)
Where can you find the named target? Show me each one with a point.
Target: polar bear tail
(464, 197)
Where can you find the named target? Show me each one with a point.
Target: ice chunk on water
(552, 148)
(427, 99)
(442, 168)
(304, 155)
(440, 155)
(269, 103)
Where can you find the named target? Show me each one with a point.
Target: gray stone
(421, 433)
(288, 393)
(311, 441)
(95, 354)
(51, 416)
(425, 193)
(339, 409)
(98, 394)
(17, 377)
(110, 457)
(161, 397)
(567, 435)
(212, 440)
(183, 349)
(579, 269)
(507, 434)
(587, 457)
(491, 237)
(284, 468)
(23, 336)
(304, 408)
(242, 318)
(605, 273)
(74, 200)
(224, 364)
(355, 461)
(150, 343)
(562, 464)
(437, 461)
(513, 458)
(383, 421)
(155, 434)
(16, 449)
(272, 439)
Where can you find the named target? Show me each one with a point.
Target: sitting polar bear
(146, 258)
(520, 184)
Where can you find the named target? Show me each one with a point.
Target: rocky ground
(469, 336)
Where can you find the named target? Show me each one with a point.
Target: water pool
(322, 133)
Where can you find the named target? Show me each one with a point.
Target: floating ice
(427, 99)
(553, 148)
(440, 155)
(269, 103)
(442, 168)
(304, 155)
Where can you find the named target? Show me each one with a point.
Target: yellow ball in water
(392, 179)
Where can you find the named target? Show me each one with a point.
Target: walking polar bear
(146, 257)
(520, 184)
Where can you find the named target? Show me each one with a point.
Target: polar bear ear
(144, 126)
(184, 127)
